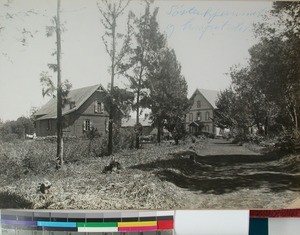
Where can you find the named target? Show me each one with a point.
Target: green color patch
(97, 224)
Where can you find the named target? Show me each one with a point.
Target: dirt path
(222, 147)
(231, 176)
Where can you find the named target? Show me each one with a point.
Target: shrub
(11, 155)
(75, 150)
(10, 168)
(289, 142)
(123, 138)
(10, 137)
(40, 157)
(254, 138)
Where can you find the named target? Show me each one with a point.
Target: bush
(123, 138)
(255, 139)
(40, 158)
(289, 142)
(75, 150)
(11, 137)
(11, 155)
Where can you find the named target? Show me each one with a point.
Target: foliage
(118, 102)
(275, 60)
(266, 92)
(123, 138)
(167, 96)
(148, 42)
(289, 142)
(18, 129)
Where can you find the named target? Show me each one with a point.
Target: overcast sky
(208, 37)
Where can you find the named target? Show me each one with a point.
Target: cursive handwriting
(203, 21)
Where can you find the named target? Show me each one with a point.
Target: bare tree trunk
(267, 126)
(137, 134)
(59, 156)
(111, 112)
(137, 137)
(159, 131)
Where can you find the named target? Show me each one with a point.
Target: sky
(208, 37)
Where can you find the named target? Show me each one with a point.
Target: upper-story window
(207, 116)
(199, 116)
(99, 107)
(198, 104)
(87, 125)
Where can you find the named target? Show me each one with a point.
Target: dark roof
(210, 95)
(78, 96)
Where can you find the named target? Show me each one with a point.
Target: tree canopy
(266, 92)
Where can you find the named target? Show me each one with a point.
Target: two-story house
(84, 111)
(200, 116)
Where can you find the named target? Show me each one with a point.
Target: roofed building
(84, 111)
(200, 117)
(145, 122)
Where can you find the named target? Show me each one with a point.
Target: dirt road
(226, 175)
(224, 147)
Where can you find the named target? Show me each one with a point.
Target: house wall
(73, 122)
(204, 110)
(87, 112)
(46, 127)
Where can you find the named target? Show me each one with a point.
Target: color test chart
(149, 222)
(86, 222)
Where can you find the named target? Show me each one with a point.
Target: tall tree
(267, 90)
(167, 96)
(62, 89)
(111, 12)
(148, 42)
(59, 157)
(276, 58)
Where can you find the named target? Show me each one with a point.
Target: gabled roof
(210, 95)
(196, 123)
(78, 96)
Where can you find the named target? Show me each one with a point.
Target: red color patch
(284, 213)
(165, 224)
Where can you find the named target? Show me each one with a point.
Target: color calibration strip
(89, 222)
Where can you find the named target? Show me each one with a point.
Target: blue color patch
(56, 224)
(258, 226)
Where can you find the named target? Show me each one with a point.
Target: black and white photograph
(149, 104)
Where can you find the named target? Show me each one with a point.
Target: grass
(82, 185)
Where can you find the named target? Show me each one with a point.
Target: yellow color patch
(137, 224)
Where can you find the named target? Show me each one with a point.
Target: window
(190, 117)
(207, 128)
(198, 104)
(49, 125)
(99, 107)
(199, 116)
(87, 125)
(207, 116)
